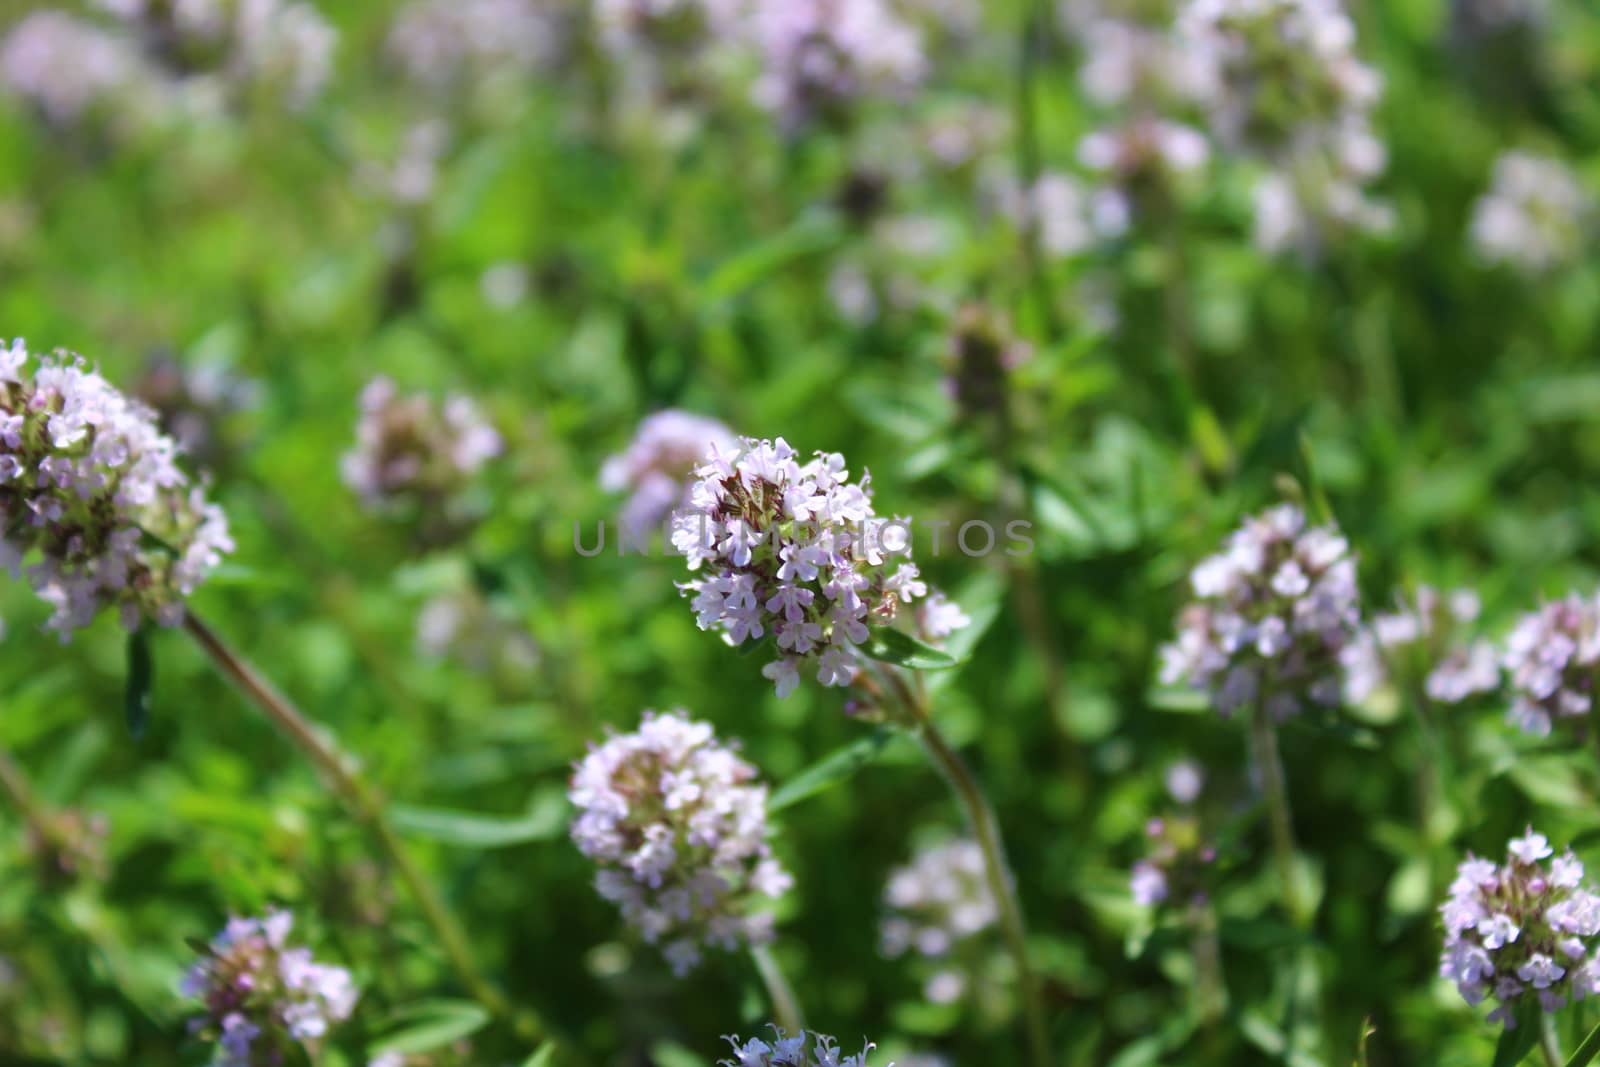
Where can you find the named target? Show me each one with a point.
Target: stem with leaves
(367, 806)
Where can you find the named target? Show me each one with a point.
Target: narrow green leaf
(543, 1056)
(1587, 1051)
(433, 1024)
(809, 236)
(672, 1054)
(901, 649)
(141, 677)
(829, 771)
(1367, 1030)
(471, 830)
(1516, 1043)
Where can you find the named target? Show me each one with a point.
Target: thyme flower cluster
(659, 463)
(1553, 659)
(1521, 930)
(93, 507)
(236, 45)
(71, 69)
(1287, 87)
(795, 550)
(442, 45)
(1426, 638)
(679, 829)
(937, 903)
(801, 1050)
(261, 997)
(1273, 615)
(819, 56)
(410, 450)
(1137, 66)
(1533, 216)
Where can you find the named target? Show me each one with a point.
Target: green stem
(1264, 741)
(785, 1005)
(1549, 1041)
(1210, 984)
(1028, 163)
(1587, 1051)
(986, 829)
(367, 806)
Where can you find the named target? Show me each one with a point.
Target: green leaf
(1587, 1051)
(545, 819)
(543, 1056)
(672, 1054)
(141, 677)
(1515, 1044)
(433, 1024)
(807, 237)
(900, 648)
(829, 771)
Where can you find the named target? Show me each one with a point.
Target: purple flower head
(92, 486)
(260, 996)
(678, 827)
(1178, 867)
(802, 1050)
(1427, 640)
(659, 464)
(1273, 615)
(1521, 931)
(796, 551)
(411, 452)
(1553, 659)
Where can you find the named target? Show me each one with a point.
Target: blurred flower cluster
(412, 453)
(1535, 215)
(1427, 641)
(936, 906)
(679, 829)
(1274, 614)
(1288, 88)
(659, 464)
(263, 998)
(1553, 660)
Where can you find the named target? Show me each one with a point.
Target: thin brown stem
(986, 829)
(41, 823)
(367, 806)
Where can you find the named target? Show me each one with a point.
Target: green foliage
(1444, 411)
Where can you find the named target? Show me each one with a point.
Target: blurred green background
(1449, 413)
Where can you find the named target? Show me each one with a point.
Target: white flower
(1534, 216)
